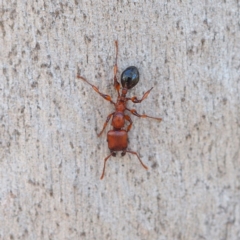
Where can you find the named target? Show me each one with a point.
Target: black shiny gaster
(130, 77)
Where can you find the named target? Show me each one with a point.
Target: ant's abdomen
(117, 140)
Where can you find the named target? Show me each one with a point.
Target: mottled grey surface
(50, 156)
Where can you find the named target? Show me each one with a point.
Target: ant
(118, 137)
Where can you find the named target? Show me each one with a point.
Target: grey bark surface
(50, 156)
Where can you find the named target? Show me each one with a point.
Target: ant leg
(134, 112)
(124, 152)
(130, 120)
(145, 95)
(106, 97)
(112, 154)
(105, 124)
(116, 83)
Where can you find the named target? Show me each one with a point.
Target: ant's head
(129, 77)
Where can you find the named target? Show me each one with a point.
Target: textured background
(50, 156)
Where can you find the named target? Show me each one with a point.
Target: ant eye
(130, 77)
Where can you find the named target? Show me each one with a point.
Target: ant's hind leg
(124, 152)
(105, 160)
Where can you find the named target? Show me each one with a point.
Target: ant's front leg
(116, 83)
(106, 97)
(134, 112)
(135, 100)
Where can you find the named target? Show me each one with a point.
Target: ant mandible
(118, 137)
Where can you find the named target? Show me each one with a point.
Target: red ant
(118, 137)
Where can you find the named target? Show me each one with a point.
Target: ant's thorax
(121, 101)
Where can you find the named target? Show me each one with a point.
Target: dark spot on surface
(49, 73)
(51, 192)
(16, 132)
(155, 165)
(22, 109)
(37, 47)
(34, 84)
(224, 101)
(44, 65)
(4, 71)
(178, 24)
(26, 232)
(188, 136)
(87, 39)
(39, 32)
(3, 29)
(190, 51)
(13, 14)
(210, 147)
